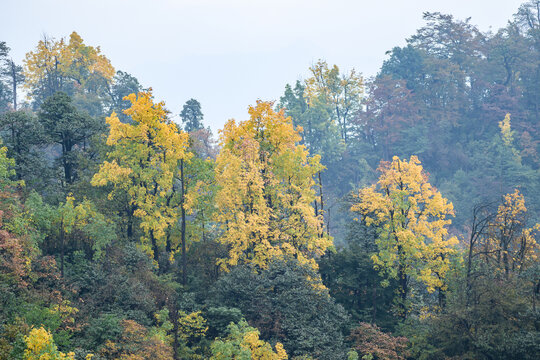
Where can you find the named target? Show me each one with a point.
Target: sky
(228, 54)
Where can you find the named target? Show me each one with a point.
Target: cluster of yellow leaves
(260, 350)
(72, 215)
(54, 62)
(412, 218)
(507, 135)
(266, 190)
(191, 326)
(243, 343)
(510, 244)
(143, 162)
(40, 346)
(506, 131)
(81, 62)
(66, 313)
(342, 92)
(6, 168)
(338, 90)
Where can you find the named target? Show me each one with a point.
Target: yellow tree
(341, 91)
(266, 191)
(243, 343)
(40, 346)
(144, 163)
(412, 219)
(509, 244)
(57, 65)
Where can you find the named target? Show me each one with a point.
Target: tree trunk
(155, 248)
(129, 229)
(173, 310)
(374, 303)
(14, 84)
(62, 247)
(183, 228)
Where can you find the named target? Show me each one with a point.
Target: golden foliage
(243, 343)
(510, 245)
(40, 346)
(342, 92)
(191, 326)
(143, 162)
(266, 191)
(54, 63)
(412, 218)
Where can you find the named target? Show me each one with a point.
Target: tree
(341, 91)
(5, 91)
(243, 343)
(527, 20)
(266, 191)
(137, 343)
(507, 244)
(390, 112)
(320, 134)
(196, 195)
(23, 134)
(287, 303)
(121, 86)
(368, 339)
(144, 162)
(192, 116)
(13, 77)
(40, 345)
(64, 125)
(72, 67)
(412, 220)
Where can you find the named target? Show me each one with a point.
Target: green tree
(121, 86)
(286, 303)
(192, 116)
(69, 128)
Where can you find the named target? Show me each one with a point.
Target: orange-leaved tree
(412, 219)
(266, 191)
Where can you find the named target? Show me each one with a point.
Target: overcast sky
(228, 54)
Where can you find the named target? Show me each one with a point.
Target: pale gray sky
(228, 54)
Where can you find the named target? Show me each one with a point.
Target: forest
(385, 218)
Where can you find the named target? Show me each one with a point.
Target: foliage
(252, 217)
(143, 162)
(137, 344)
(68, 128)
(286, 303)
(40, 346)
(70, 66)
(413, 237)
(341, 91)
(192, 116)
(266, 190)
(243, 343)
(509, 245)
(368, 339)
